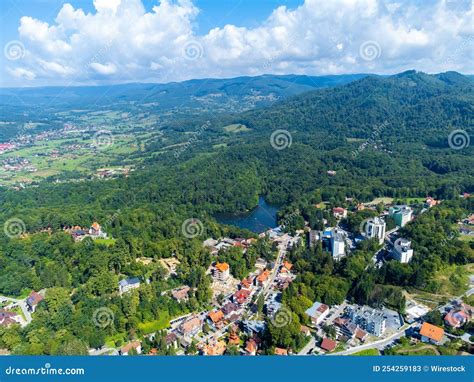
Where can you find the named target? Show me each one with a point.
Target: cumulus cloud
(120, 41)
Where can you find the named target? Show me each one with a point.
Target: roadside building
(375, 229)
(8, 318)
(328, 344)
(251, 347)
(369, 319)
(222, 271)
(33, 300)
(215, 348)
(190, 327)
(262, 278)
(339, 212)
(241, 296)
(431, 333)
(401, 215)
(135, 345)
(458, 315)
(402, 250)
(317, 312)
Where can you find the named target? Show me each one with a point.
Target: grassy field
(418, 349)
(110, 341)
(236, 128)
(108, 242)
(368, 352)
(153, 326)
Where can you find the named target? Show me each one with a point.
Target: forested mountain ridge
(374, 137)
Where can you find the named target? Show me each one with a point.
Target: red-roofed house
(339, 212)
(328, 344)
(33, 300)
(241, 296)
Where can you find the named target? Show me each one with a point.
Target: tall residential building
(371, 320)
(401, 214)
(337, 244)
(222, 271)
(375, 228)
(402, 250)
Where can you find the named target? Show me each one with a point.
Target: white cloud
(106, 69)
(21, 73)
(121, 41)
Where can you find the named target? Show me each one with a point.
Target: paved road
(103, 351)
(377, 344)
(310, 345)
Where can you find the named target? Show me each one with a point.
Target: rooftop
(433, 332)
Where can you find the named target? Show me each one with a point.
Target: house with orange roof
(246, 284)
(95, 231)
(431, 333)
(234, 338)
(135, 345)
(222, 271)
(216, 316)
(263, 277)
(215, 348)
(251, 347)
(288, 265)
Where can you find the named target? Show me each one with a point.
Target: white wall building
(402, 250)
(375, 229)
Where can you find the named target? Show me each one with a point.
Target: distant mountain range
(213, 95)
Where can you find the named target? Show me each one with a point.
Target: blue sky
(51, 42)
